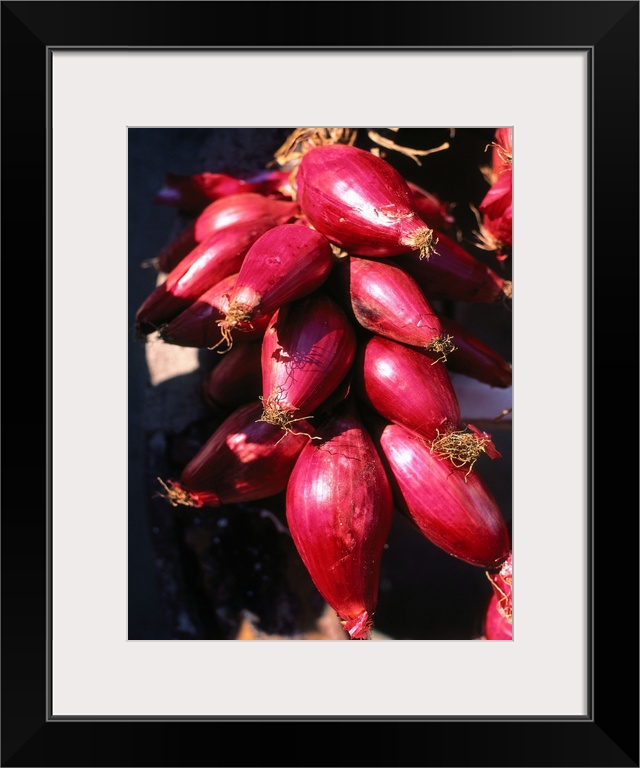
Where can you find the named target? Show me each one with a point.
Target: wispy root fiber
(424, 242)
(441, 346)
(459, 447)
(176, 495)
(236, 314)
(273, 413)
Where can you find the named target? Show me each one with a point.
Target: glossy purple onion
(307, 351)
(245, 459)
(452, 507)
(198, 324)
(339, 511)
(454, 274)
(286, 263)
(247, 208)
(407, 386)
(208, 263)
(360, 202)
(387, 301)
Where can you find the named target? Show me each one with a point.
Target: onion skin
(453, 274)
(244, 460)
(498, 198)
(387, 301)
(236, 379)
(211, 261)
(502, 151)
(499, 614)
(497, 212)
(177, 249)
(339, 510)
(191, 194)
(197, 324)
(245, 208)
(496, 209)
(452, 507)
(406, 386)
(433, 211)
(496, 625)
(286, 263)
(307, 351)
(502, 583)
(360, 202)
(474, 358)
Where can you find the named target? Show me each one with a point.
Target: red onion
(501, 151)
(496, 234)
(496, 626)
(453, 274)
(246, 208)
(211, 261)
(387, 301)
(285, 263)
(499, 615)
(433, 211)
(498, 198)
(177, 249)
(360, 202)
(496, 208)
(198, 324)
(502, 583)
(497, 215)
(454, 509)
(474, 358)
(237, 378)
(191, 194)
(339, 511)
(307, 351)
(407, 386)
(244, 460)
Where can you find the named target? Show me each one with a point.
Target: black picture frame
(609, 735)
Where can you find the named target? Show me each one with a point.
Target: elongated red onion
(452, 507)
(245, 208)
(499, 614)
(191, 194)
(360, 202)
(498, 197)
(211, 261)
(285, 263)
(502, 583)
(407, 386)
(496, 209)
(496, 626)
(453, 274)
(433, 211)
(496, 235)
(387, 301)
(244, 460)
(474, 358)
(237, 378)
(501, 151)
(198, 324)
(307, 350)
(177, 248)
(339, 510)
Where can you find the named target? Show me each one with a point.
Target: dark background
(424, 593)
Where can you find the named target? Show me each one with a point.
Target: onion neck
(421, 240)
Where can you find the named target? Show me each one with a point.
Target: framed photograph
(96, 672)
